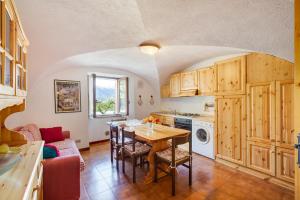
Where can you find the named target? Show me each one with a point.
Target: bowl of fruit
(9, 157)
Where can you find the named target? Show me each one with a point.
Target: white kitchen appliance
(203, 138)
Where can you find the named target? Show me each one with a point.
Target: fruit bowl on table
(9, 159)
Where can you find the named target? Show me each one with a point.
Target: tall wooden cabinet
(265, 145)
(285, 130)
(261, 127)
(231, 128)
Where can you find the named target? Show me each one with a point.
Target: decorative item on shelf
(140, 102)
(151, 100)
(67, 96)
(151, 120)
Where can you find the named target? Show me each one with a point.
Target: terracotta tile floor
(211, 180)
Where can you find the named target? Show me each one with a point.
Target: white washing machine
(203, 138)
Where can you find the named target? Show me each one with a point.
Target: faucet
(175, 112)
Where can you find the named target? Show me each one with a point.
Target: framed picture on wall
(67, 96)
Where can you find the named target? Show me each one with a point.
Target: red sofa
(61, 175)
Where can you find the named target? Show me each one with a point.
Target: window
(109, 96)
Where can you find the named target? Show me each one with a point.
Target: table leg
(156, 146)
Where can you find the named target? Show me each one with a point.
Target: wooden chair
(115, 143)
(175, 156)
(133, 150)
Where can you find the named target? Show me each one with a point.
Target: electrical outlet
(77, 141)
(106, 133)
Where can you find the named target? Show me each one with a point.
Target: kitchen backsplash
(198, 104)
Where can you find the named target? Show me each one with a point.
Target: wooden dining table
(157, 137)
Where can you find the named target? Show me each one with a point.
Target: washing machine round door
(202, 136)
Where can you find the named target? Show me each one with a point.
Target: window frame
(117, 101)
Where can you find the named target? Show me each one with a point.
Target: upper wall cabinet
(231, 76)
(264, 68)
(165, 91)
(188, 81)
(12, 51)
(175, 85)
(206, 81)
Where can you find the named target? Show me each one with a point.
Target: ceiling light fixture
(149, 48)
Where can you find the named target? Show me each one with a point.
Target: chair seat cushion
(140, 148)
(180, 155)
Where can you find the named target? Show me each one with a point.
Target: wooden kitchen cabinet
(230, 126)
(165, 91)
(285, 164)
(265, 68)
(285, 114)
(206, 81)
(261, 112)
(261, 157)
(188, 81)
(261, 127)
(231, 76)
(175, 85)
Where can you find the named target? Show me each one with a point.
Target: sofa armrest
(66, 134)
(61, 178)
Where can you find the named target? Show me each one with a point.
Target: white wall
(40, 105)
(187, 104)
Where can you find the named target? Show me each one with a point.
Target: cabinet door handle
(297, 146)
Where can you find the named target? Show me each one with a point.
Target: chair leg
(155, 169)
(173, 171)
(111, 152)
(133, 169)
(117, 157)
(123, 161)
(141, 161)
(190, 171)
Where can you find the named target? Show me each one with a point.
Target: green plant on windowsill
(104, 106)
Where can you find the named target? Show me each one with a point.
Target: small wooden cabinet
(175, 85)
(231, 128)
(285, 164)
(165, 91)
(206, 81)
(188, 81)
(25, 179)
(231, 76)
(261, 157)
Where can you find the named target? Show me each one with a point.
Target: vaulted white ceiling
(106, 33)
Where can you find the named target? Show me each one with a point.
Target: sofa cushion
(68, 147)
(28, 135)
(34, 131)
(50, 151)
(52, 134)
